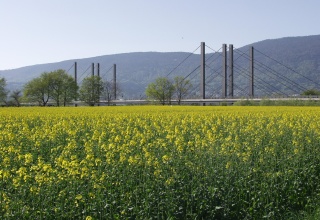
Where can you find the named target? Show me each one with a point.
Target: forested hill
(136, 70)
(288, 63)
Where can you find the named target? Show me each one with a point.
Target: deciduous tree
(62, 86)
(161, 90)
(57, 86)
(3, 90)
(311, 92)
(37, 90)
(182, 87)
(69, 90)
(91, 90)
(16, 97)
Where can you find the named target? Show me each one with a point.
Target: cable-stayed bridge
(227, 74)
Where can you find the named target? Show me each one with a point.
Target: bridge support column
(251, 73)
(98, 74)
(224, 70)
(75, 79)
(115, 81)
(75, 72)
(98, 69)
(230, 71)
(202, 72)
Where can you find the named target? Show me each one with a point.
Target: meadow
(159, 162)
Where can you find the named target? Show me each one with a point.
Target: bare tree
(182, 87)
(16, 97)
(110, 91)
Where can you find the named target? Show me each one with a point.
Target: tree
(91, 90)
(109, 92)
(62, 86)
(182, 87)
(3, 90)
(16, 96)
(57, 86)
(69, 90)
(161, 90)
(37, 90)
(311, 92)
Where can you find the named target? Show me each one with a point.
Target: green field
(159, 162)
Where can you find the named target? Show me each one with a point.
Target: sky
(47, 31)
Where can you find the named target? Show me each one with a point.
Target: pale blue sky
(45, 31)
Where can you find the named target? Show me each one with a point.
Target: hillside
(296, 68)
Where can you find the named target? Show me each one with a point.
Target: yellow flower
(165, 159)
(228, 165)
(169, 181)
(79, 197)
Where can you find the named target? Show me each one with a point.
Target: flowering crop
(159, 162)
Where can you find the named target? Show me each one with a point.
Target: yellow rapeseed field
(159, 162)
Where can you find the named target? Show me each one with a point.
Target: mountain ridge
(136, 69)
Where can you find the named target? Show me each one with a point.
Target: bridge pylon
(203, 72)
(230, 79)
(224, 71)
(251, 72)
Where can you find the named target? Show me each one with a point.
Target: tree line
(163, 89)
(60, 89)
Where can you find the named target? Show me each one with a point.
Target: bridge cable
(183, 61)
(288, 67)
(83, 74)
(191, 72)
(70, 68)
(293, 83)
(105, 73)
(244, 90)
(275, 73)
(261, 80)
(219, 74)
